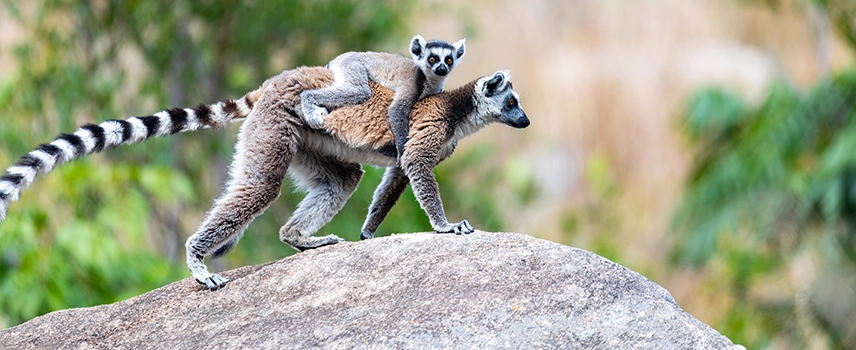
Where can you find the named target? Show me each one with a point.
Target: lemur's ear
(506, 73)
(417, 47)
(460, 48)
(492, 85)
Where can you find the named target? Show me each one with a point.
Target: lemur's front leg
(421, 155)
(387, 193)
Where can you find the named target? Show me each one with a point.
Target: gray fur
(274, 139)
(329, 168)
(257, 173)
(411, 80)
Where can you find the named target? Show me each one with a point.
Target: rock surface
(427, 291)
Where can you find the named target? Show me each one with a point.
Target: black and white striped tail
(93, 138)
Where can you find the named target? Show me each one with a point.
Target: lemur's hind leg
(350, 87)
(257, 173)
(330, 183)
(224, 225)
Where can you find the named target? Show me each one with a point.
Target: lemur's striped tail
(93, 138)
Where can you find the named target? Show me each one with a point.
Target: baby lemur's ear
(417, 47)
(460, 48)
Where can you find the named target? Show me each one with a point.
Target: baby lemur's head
(436, 57)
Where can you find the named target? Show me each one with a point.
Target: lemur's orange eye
(449, 61)
(511, 102)
(432, 60)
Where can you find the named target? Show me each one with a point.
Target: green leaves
(770, 185)
(96, 255)
(712, 113)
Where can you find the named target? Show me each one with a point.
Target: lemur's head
(495, 98)
(436, 56)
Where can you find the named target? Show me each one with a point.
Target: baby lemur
(411, 80)
(327, 161)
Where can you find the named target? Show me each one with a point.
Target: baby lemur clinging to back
(327, 162)
(411, 80)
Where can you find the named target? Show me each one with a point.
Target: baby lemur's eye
(432, 59)
(511, 102)
(449, 61)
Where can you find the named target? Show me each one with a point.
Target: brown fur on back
(288, 85)
(365, 124)
(358, 126)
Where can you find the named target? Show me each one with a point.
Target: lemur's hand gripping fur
(314, 116)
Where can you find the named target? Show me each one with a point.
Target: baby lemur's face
(436, 57)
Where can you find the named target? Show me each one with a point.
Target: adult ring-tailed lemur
(411, 80)
(327, 161)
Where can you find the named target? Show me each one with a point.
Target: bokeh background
(707, 144)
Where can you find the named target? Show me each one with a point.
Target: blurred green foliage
(113, 225)
(596, 223)
(771, 206)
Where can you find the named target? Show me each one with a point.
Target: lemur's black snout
(441, 70)
(517, 119)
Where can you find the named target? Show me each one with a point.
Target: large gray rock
(478, 291)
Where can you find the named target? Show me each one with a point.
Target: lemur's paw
(315, 242)
(462, 227)
(366, 235)
(315, 117)
(214, 282)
